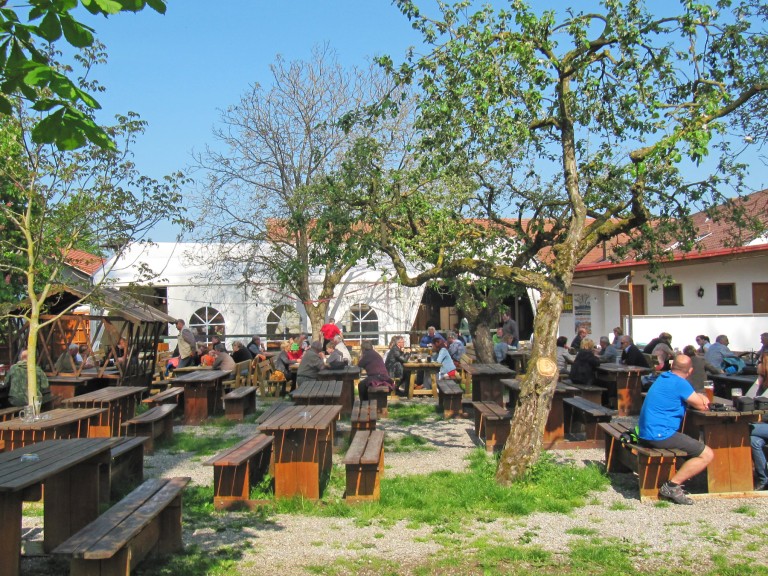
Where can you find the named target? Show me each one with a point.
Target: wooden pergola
(124, 317)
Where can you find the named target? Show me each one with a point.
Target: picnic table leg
(10, 543)
(411, 384)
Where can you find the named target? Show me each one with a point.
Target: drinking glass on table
(37, 403)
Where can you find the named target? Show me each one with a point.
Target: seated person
(428, 338)
(88, 359)
(585, 363)
(500, 349)
(440, 354)
(255, 346)
(376, 372)
(456, 347)
(121, 351)
(240, 353)
(205, 355)
(66, 361)
(312, 361)
(335, 359)
(222, 360)
(17, 383)
(581, 333)
(563, 356)
(294, 351)
(498, 336)
(608, 352)
(283, 363)
(395, 360)
(663, 337)
(701, 368)
(338, 340)
(758, 437)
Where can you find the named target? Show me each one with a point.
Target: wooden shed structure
(120, 316)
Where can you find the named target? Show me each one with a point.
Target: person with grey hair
(240, 353)
(608, 352)
(222, 360)
(338, 341)
(67, 361)
(255, 346)
(186, 344)
(719, 350)
(312, 361)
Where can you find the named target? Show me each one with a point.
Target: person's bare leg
(693, 466)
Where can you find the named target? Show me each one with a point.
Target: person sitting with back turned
(563, 356)
(456, 347)
(701, 368)
(312, 361)
(719, 350)
(338, 340)
(376, 372)
(660, 419)
(240, 353)
(222, 360)
(585, 363)
(631, 354)
(17, 383)
(66, 361)
(608, 352)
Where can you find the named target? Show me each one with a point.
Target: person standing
(660, 419)
(329, 330)
(186, 343)
(17, 383)
(509, 327)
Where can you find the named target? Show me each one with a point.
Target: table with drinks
(30, 428)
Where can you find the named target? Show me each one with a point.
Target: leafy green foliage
(27, 72)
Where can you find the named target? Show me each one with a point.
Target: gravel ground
(679, 532)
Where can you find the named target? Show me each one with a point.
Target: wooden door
(638, 300)
(760, 297)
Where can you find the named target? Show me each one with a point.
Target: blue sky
(179, 69)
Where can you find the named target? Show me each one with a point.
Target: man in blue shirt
(660, 419)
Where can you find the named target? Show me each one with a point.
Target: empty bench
(236, 469)
(590, 414)
(449, 395)
(363, 416)
(172, 395)
(653, 466)
(364, 463)
(148, 520)
(156, 422)
(492, 424)
(380, 395)
(127, 465)
(239, 402)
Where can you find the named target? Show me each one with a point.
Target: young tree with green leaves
(607, 122)
(92, 198)
(27, 71)
(267, 210)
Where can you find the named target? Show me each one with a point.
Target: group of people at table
(677, 383)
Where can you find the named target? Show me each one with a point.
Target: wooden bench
(492, 424)
(9, 413)
(146, 521)
(262, 377)
(588, 391)
(449, 395)
(364, 464)
(236, 469)
(653, 466)
(127, 467)
(239, 402)
(172, 395)
(380, 395)
(155, 422)
(241, 376)
(363, 416)
(589, 413)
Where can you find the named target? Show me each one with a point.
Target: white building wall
(696, 316)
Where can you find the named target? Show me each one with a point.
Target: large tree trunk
(34, 329)
(523, 445)
(316, 314)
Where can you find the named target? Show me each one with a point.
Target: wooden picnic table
(188, 369)
(486, 381)
(727, 433)
(71, 472)
(430, 370)
(623, 383)
(120, 403)
(202, 393)
(347, 376)
(63, 387)
(319, 392)
(60, 423)
(725, 383)
(303, 447)
(519, 359)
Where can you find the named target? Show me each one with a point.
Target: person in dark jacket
(396, 357)
(585, 363)
(240, 353)
(373, 364)
(631, 354)
(312, 361)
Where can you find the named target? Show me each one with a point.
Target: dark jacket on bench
(584, 366)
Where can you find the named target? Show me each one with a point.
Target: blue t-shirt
(664, 407)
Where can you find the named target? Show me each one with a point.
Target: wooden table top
(192, 369)
(319, 389)
(733, 413)
(108, 394)
(201, 376)
(422, 365)
(488, 370)
(616, 368)
(52, 418)
(346, 371)
(301, 418)
(54, 456)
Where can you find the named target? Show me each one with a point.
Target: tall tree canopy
(267, 195)
(611, 122)
(27, 71)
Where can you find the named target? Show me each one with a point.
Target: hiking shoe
(674, 493)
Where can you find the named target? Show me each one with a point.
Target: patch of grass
(200, 445)
(580, 531)
(220, 422)
(195, 561)
(746, 510)
(602, 556)
(408, 443)
(661, 504)
(33, 509)
(620, 506)
(408, 414)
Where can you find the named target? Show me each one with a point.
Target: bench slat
(152, 415)
(126, 444)
(357, 447)
(241, 392)
(589, 407)
(241, 452)
(373, 448)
